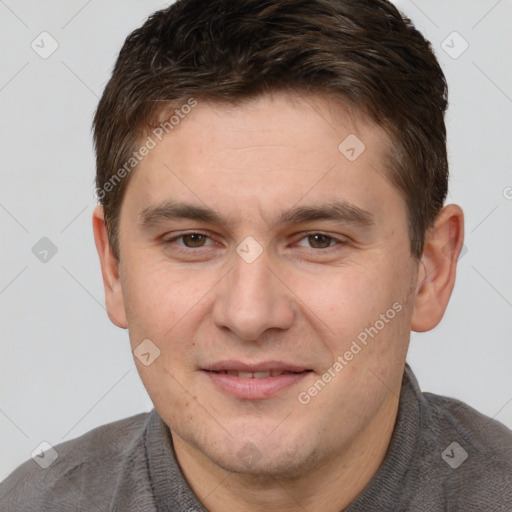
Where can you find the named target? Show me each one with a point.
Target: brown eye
(319, 241)
(194, 240)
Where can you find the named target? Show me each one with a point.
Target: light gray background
(64, 368)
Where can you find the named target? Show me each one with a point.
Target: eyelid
(340, 239)
(179, 235)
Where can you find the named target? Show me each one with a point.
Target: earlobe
(436, 274)
(109, 270)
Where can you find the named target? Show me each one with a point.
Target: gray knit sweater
(444, 456)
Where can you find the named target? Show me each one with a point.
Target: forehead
(273, 151)
(303, 123)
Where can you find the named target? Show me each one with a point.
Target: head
(271, 178)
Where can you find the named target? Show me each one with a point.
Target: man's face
(278, 279)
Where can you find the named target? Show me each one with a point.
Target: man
(271, 227)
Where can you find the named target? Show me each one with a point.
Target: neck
(329, 486)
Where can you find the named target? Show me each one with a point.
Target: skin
(299, 302)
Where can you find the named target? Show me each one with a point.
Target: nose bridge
(251, 300)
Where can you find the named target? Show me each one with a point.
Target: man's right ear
(109, 270)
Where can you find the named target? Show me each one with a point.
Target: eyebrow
(340, 211)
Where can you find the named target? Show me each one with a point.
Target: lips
(254, 381)
(263, 366)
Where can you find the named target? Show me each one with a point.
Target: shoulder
(488, 437)
(471, 452)
(87, 464)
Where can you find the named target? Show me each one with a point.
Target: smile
(254, 382)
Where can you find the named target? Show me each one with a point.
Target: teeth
(244, 375)
(254, 375)
(261, 375)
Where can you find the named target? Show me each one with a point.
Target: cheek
(347, 296)
(344, 303)
(164, 306)
(157, 297)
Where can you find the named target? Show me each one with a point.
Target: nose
(253, 299)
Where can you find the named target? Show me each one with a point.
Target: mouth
(254, 381)
(256, 375)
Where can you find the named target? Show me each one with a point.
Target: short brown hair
(361, 51)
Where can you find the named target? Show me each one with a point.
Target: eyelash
(338, 241)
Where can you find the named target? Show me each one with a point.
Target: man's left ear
(436, 275)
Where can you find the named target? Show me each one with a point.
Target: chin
(266, 465)
(262, 457)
